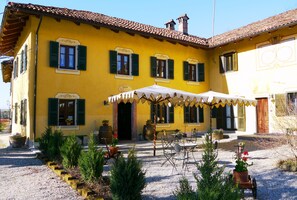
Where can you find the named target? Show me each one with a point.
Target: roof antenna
(213, 19)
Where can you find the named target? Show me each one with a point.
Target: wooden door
(262, 115)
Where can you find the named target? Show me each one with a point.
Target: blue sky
(229, 15)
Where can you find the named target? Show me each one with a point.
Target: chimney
(183, 24)
(170, 25)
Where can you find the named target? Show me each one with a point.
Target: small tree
(70, 152)
(212, 184)
(91, 162)
(185, 191)
(127, 179)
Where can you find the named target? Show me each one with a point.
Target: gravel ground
(22, 176)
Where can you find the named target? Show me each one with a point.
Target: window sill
(192, 124)
(163, 125)
(126, 77)
(193, 83)
(68, 128)
(68, 71)
(162, 80)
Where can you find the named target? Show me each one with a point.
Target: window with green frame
(66, 112)
(68, 57)
(161, 68)
(123, 64)
(193, 114)
(194, 72)
(164, 114)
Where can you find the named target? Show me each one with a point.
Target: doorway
(124, 121)
(262, 115)
(225, 117)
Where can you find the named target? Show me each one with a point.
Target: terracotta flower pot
(240, 177)
(113, 150)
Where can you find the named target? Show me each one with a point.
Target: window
(66, 112)
(24, 61)
(16, 113)
(241, 118)
(292, 103)
(16, 68)
(193, 114)
(124, 64)
(23, 112)
(68, 57)
(164, 114)
(161, 68)
(194, 72)
(228, 62)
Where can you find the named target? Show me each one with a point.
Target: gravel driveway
(22, 176)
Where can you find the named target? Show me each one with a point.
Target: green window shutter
(80, 112)
(81, 57)
(235, 61)
(186, 114)
(186, 70)
(53, 111)
(171, 114)
(201, 72)
(201, 115)
(54, 54)
(135, 64)
(153, 66)
(22, 62)
(26, 57)
(280, 105)
(22, 112)
(170, 69)
(222, 64)
(112, 62)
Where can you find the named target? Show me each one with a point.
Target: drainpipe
(35, 79)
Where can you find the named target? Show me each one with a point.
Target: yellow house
(67, 62)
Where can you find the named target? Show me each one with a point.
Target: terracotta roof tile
(110, 22)
(285, 19)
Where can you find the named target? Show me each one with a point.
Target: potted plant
(68, 121)
(217, 134)
(113, 149)
(240, 173)
(17, 140)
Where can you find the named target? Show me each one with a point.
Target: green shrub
(288, 165)
(50, 143)
(127, 180)
(91, 162)
(185, 191)
(70, 152)
(1, 127)
(212, 183)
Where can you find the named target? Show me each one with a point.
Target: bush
(50, 143)
(288, 165)
(91, 162)
(1, 127)
(212, 184)
(185, 191)
(70, 152)
(127, 180)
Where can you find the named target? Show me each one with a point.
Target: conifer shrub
(91, 162)
(127, 179)
(70, 152)
(50, 143)
(211, 182)
(184, 191)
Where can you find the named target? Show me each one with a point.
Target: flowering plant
(114, 140)
(241, 158)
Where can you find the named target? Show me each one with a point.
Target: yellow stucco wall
(96, 83)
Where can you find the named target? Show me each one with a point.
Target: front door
(124, 121)
(262, 115)
(225, 117)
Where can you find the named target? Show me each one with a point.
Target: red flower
(244, 158)
(246, 153)
(115, 135)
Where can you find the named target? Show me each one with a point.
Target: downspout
(35, 79)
